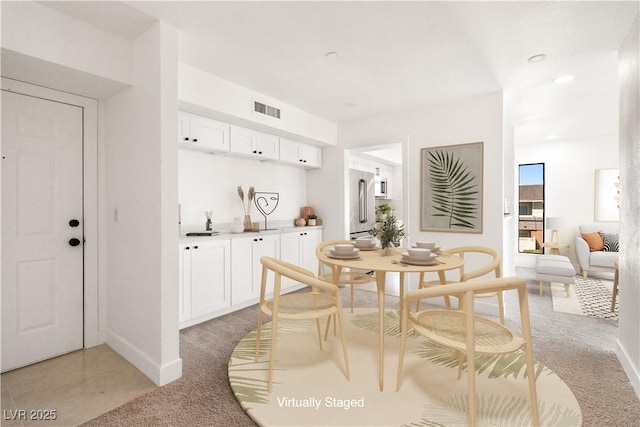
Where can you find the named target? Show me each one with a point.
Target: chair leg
(501, 307)
(274, 326)
(566, 289)
(584, 274)
(259, 334)
(460, 358)
(352, 297)
(542, 287)
(326, 330)
(533, 395)
(344, 345)
(615, 289)
(319, 333)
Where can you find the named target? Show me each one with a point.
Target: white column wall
(142, 266)
(629, 80)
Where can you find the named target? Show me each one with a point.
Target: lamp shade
(553, 223)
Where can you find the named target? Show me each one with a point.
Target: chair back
(322, 246)
(477, 252)
(293, 272)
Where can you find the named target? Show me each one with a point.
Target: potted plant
(312, 219)
(388, 232)
(382, 211)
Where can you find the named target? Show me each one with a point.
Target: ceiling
(393, 56)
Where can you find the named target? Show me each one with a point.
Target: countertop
(226, 234)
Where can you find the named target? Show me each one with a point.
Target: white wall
(569, 182)
(208, 183)
(43, 46)
(629, 78)
(466, 121)
(142, 267)
(229, 101)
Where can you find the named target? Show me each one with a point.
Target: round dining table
(374, 260)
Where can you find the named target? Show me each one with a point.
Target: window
(531, 208)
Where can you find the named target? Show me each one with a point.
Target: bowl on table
(365, 243)
(419, 252)
(343, 248)
(426, 245)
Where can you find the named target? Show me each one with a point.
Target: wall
(469, 120)
(142, 267)
(569, 182)
(629, 79)
(40, 45)
(208, 183)
(228, 101)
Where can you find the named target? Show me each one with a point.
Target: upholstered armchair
(597, 256)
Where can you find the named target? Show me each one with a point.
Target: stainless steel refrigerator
(361, 202)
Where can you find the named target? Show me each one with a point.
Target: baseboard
(629, 368)
(160, 375)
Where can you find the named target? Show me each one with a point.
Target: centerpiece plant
(388, 231)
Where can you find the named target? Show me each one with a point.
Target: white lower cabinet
(204, 281)
(299, 248)
(246, 271)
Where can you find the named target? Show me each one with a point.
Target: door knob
(74, 223)
(74, 242)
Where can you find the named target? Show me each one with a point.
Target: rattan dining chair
(492, 266)
(469, 334)
(349, 277)
(323, 300)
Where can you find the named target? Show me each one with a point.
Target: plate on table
(435, 250)
(371, 248)
(338, 255)
(414, 261)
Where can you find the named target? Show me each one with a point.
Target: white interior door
(42, 266)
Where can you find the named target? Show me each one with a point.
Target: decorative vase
(312, 221)
(237, 226)
(300, 222)
(388, 249)
(248, 226)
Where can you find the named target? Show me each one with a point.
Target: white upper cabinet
(201, 133)
(301, 154)
(251, 143)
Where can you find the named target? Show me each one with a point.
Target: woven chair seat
(449, 326)
(293, 305)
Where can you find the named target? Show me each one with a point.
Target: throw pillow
(594, 240)
(610, 242)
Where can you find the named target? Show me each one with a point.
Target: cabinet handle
(259, 152)
(304, 161)
(186, 138)
(187, 248)
(195, 139)
(261, 239)
(255, 152)
(195, 247)
(299, 160)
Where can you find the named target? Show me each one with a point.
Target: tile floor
(78, 386)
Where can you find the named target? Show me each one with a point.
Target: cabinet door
(289, 151)
(209, 135)
(311, 156)
(183, 127)
(210, 277)
(242, 140)
(268, 146)
(184, 282)
(243, 270)
(309, 242)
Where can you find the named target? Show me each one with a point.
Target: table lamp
(553, 224)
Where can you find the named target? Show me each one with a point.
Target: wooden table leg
(401, 302)
(380, 282)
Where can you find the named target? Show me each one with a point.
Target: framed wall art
(607, 195)
(451, 188)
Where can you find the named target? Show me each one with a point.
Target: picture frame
(451, 188)
(607, 195)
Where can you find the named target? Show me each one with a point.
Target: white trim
(628, 367)
(92, 304)
(160, 375)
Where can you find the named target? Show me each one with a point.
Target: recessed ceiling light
(563, 79)
(537, 58)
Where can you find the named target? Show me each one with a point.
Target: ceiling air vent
(268, 110)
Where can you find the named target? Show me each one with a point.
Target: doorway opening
(531, 208)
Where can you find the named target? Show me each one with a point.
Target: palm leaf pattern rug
(310, 387)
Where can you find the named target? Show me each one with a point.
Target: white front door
(42, 212)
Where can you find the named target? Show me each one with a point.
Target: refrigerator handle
(362, 201)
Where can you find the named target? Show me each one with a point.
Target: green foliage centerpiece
(388, 232)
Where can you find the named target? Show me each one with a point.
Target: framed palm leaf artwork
(451, 188)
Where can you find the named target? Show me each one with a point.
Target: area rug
(587, 297)
(310, 387)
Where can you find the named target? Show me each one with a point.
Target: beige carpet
(587, 297)
(310, 385)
